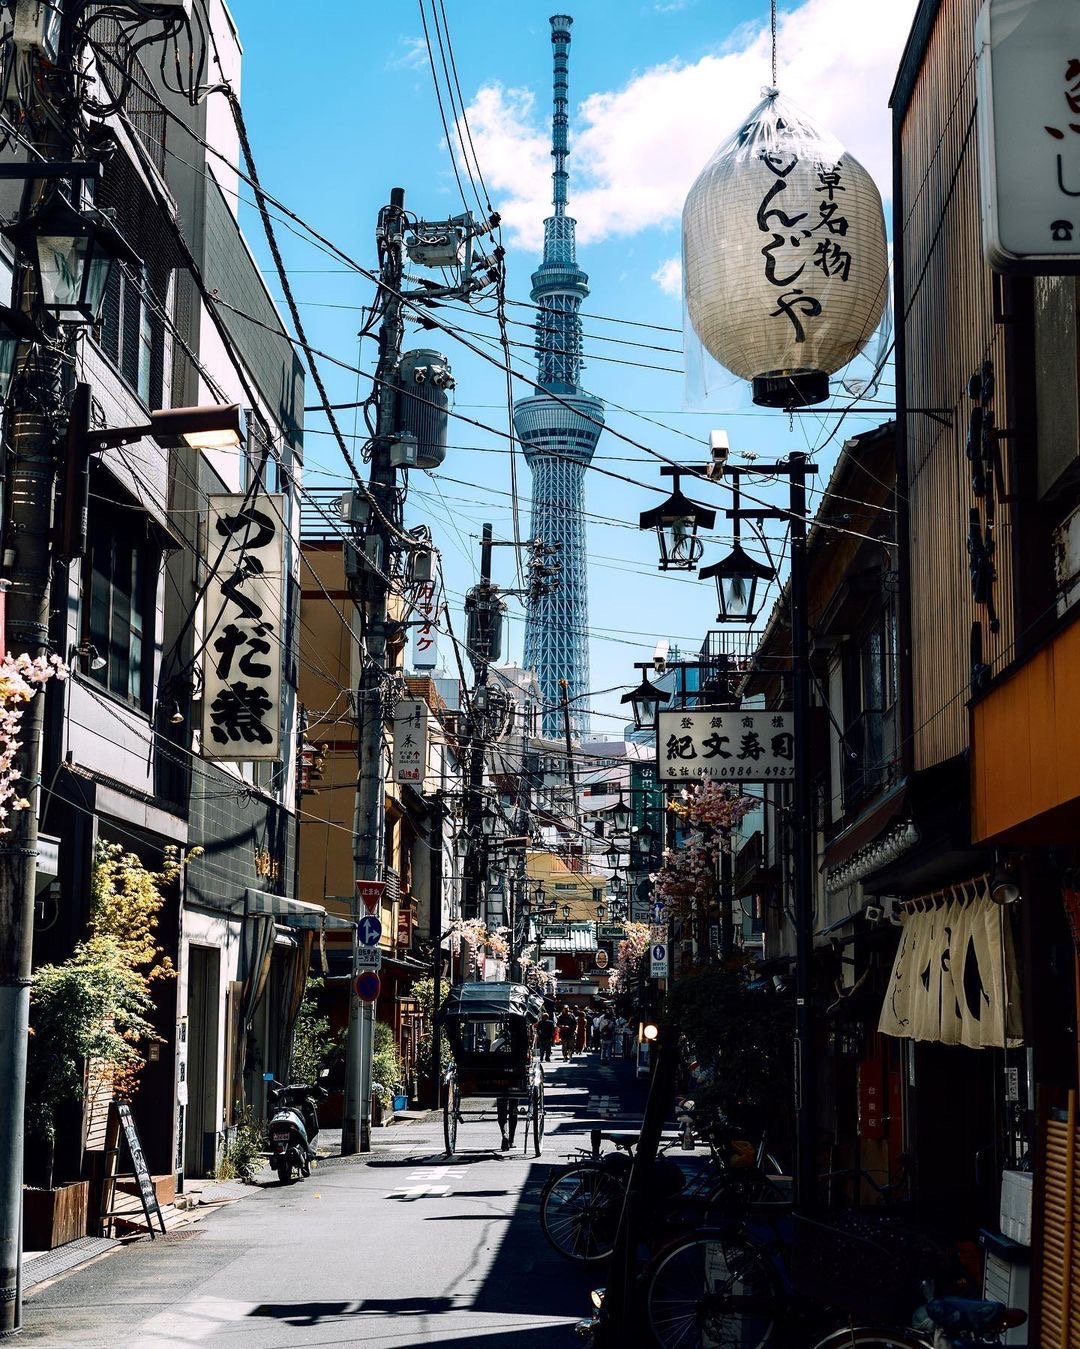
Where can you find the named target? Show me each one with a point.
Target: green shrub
(387, 1070)
(314, 1044)
(243, 1157)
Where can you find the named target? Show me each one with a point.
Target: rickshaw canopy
(477, 1001)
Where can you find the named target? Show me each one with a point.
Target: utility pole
(479, 652)
(33, 459)
(803, 830)
(372, 593)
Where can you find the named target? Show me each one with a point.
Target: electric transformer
(424, 382)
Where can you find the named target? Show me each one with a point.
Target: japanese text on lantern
(799, 240)
(244, 613)
(729, 746)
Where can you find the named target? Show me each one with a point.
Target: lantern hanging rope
(772, 24)
(785, 264)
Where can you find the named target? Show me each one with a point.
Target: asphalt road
(403, 1248)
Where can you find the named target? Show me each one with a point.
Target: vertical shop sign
(245, 550)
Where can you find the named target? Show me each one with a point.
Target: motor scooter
(294, 1126)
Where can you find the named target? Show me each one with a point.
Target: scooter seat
(961, 1313)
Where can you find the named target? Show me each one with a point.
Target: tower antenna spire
(559, 438)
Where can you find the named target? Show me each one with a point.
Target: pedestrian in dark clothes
(581, 1033)
(567, 1025)
(545, 1037)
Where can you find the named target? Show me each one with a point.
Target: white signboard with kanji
(1028, 79)
(244, 615)
(425, 636)
(729, 746)
(410, 740)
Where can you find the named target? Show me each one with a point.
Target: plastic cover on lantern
(785, 264)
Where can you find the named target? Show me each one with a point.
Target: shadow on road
(305, 1314)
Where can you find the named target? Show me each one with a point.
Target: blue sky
(341, 112)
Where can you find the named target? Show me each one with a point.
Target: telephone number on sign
(747, 771)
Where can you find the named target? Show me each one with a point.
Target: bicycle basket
(851, 1271)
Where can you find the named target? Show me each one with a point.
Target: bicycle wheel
(870, 1337)
(579, 1211)
(710, 1291)
(538, 1119)
(450, 1117)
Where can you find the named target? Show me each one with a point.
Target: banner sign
(658, 960)
(245, 551)
(736, 746)
(1028, 84)
(425, 639)
(410, 740)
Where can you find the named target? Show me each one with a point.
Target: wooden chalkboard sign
(122, 1123)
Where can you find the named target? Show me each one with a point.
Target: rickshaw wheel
(538, 1118)
(450, 1117)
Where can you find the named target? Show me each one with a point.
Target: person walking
(607, 1036)
(581, 1033)
(567, 1025)
(622, 1032)
(545, 1037)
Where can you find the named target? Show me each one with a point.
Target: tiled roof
(581, 940)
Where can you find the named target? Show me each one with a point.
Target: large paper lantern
(785, 266)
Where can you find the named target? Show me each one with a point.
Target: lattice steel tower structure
(559, 438)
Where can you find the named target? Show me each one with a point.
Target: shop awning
(292, 912)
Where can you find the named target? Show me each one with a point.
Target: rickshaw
(491, 1029)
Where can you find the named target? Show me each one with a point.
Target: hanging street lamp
(677, 521)
(72, 254)
(620, 816)
(644, 703)
(785, 264)
(737, 577)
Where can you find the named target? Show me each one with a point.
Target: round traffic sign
(367, 985)
(369, 930)
(659, 951)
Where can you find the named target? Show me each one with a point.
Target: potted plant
(86, 1018)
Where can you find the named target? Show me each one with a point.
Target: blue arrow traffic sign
(369, 930)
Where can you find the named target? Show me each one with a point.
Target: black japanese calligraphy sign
(729, 746)
(410, 740)
(1028, 77)
(244, 615)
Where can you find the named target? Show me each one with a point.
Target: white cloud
(636, 150)
(668, 276)
(411, 54)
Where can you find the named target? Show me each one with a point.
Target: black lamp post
(566, 913)
(72, 254)
(736, 578)
(677, 521)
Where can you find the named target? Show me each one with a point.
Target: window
(132, 334)
(870, 735)
(119, 584)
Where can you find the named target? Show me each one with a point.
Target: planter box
(164, 1188)
(52, 1218)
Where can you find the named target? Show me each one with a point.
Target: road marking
(436, 1173)
(180, 1327)
(419, 1192)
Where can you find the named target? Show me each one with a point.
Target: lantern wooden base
(791, 388)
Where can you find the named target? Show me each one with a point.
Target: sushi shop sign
(736, 746)
(1028, 73)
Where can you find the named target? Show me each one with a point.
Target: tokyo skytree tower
(559, 436)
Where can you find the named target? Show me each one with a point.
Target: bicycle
(977, 1323)
(580, 1206)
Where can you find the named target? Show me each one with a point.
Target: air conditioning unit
(37, 27)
